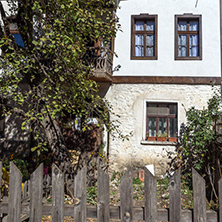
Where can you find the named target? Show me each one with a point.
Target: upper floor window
(188, 37)
(144, 36)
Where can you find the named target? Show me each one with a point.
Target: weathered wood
(0, 177)
(150, 183)
(80, 196)
(14, 208)
(126, 197)
(57, 194)
(199, 197)
(25, 190)
(36, 183)
(220, 199)
(162, 214)
(175, 197)
(103, 212)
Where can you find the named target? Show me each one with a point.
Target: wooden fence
(28, 204)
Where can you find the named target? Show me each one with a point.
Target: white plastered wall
(128, 101)
(166, 65)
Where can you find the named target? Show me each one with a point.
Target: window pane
(162, 126)
(182, 51)
(182, 26)
(194, 26)
(150, 26)
(152, 126)
(194, 51)
(149, 51)
(163, 110)
(173, 109)
(19, 40)
(150, 40)
(152, 109)
(194, 40)
(182, 40)
(139, 25)
(139, 40)
(173, 127)
(139, 51)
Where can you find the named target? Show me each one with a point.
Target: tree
(200, 145)
(48, 78)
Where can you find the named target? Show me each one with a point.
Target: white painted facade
(129, 99)
(166, 65)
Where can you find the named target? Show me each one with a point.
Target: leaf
(61, 79)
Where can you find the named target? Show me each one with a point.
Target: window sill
(158, 143)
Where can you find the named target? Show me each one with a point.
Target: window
(188, 44)
(144, 37)
(14, 31)
(161, 119)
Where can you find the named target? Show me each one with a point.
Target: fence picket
(126, 197)
(57, 194)
(175, 197)
(33, 191)
(80, 196)
(14, 208)
(220, 199)
(199, 197)
(0, 177)
(103, 211)
(150, 183)
(36, 192)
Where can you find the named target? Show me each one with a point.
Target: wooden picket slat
(16, 209)
(150, 188)
(220, 199)
(80, 196)
(175, 197)
(103, 211)
(0, 178)
(36, 192)
(15, 185)
(57, 194)
(126, 197)
(199, 197)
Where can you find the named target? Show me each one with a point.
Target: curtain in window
(194, 45)
(152, 126)
(150, 26)
(139, 42)
(194, 26)
(149, 43)
(173, 127)
(182, 42)
(162, 126)
(139, 25)
(182, 26)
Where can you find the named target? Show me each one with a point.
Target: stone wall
(128, 101)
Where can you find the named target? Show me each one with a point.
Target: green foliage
(49, 79)
(199, 144)
(137, 180)
(92, 195)
(22, 165)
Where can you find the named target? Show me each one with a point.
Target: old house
(170, 55)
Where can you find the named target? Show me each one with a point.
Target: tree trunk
(57, 144)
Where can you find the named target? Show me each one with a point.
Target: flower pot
(151, 138)
(172, 139)
(161, 138)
